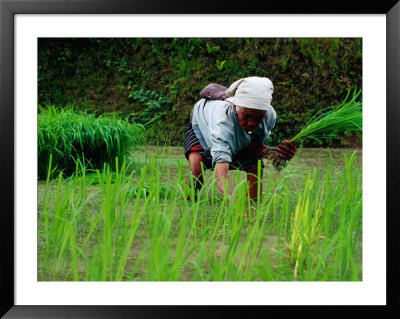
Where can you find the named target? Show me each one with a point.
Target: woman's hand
(286, 150)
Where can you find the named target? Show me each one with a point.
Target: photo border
(9, 8)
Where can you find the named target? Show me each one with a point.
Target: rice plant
(126, 227)
(69, 135)
(327, 125)
(306, 221)
(335, 120)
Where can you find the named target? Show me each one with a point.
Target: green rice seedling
(328, 124)
(325, 235)
(346, 117)
(61, 216)
(301, 229)
(69, 135)
(306, 221)
(347, 260)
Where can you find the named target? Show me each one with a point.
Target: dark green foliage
(309, 74)
(79, 138)
(152, 108)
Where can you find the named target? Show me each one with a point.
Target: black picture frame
(9, 8)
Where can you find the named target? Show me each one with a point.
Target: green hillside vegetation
(156, 81)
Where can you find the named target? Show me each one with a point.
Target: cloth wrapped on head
(252, 92)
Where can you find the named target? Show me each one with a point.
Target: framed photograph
(370, 29)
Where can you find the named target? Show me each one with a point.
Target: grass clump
(71, 136)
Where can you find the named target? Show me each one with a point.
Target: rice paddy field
(140, 222)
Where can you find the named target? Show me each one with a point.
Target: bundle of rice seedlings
(70, 135)
(327, 124)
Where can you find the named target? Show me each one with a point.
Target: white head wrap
(253, 92)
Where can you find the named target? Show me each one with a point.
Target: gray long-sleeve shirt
(218, 130)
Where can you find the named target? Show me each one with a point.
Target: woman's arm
(222, 175)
